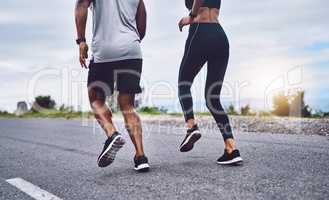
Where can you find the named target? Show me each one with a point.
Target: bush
(163, 110)
(64, 108)
(320, 114)
(281, 105)
(298, 108)
(3, 112)
(231, 110)
(6, 114)
(43, 102)
(245, 110)
(264, 113)
(293, 105)
(150, 110)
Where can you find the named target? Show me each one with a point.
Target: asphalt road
(59, 156)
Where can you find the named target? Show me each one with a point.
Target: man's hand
(184, 22)
(83, 54)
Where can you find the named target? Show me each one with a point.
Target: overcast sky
(275, 45)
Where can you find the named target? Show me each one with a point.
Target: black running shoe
(233, 158)
(141, 164)
(192, 136)
(111, 147)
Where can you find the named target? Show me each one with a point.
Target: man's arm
(81, 15)
(141, 19)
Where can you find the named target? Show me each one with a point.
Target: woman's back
(206, 3)
(209, 11)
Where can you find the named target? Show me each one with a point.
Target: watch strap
(79, 40)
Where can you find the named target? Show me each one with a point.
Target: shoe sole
(143, 167)
(189, 143)
(109, 154)
(235, 161)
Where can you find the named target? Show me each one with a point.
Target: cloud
(267, 38)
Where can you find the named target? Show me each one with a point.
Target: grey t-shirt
(115, 34)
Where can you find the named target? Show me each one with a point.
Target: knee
(126, 108)
(213, 103)
(130, 115)
(97, 97)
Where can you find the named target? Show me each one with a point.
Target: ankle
(138, 155)
(190, 123)
(229, 145)
(229, 150)
(109, 130)
(109, 133)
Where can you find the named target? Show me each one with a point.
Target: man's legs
(132, 121)
(134, 128)
(100, 85)
(102, 113)
(128, 75)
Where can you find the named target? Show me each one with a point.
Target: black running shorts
(124, 76)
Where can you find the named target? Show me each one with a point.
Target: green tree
(5, 114)
(231, 110)
(298, 108)
(163, 110)
(43, 102)
(281, 105)
(245, 110)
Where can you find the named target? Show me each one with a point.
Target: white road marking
(32, 190)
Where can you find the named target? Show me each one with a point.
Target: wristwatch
(79, 40)
(192, 15)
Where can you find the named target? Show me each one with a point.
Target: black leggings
(207, 42)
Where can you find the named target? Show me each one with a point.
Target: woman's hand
(184, 22)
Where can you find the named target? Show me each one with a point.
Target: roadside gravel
(277, 125)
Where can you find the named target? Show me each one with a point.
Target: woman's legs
(188, 71)
(192, 63)
(215, 76)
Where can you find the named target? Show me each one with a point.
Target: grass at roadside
(4, 114)
(54, 113)
(49, 114)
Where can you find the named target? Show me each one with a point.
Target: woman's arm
(194, 12)
(141, 19)
(196, 6)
